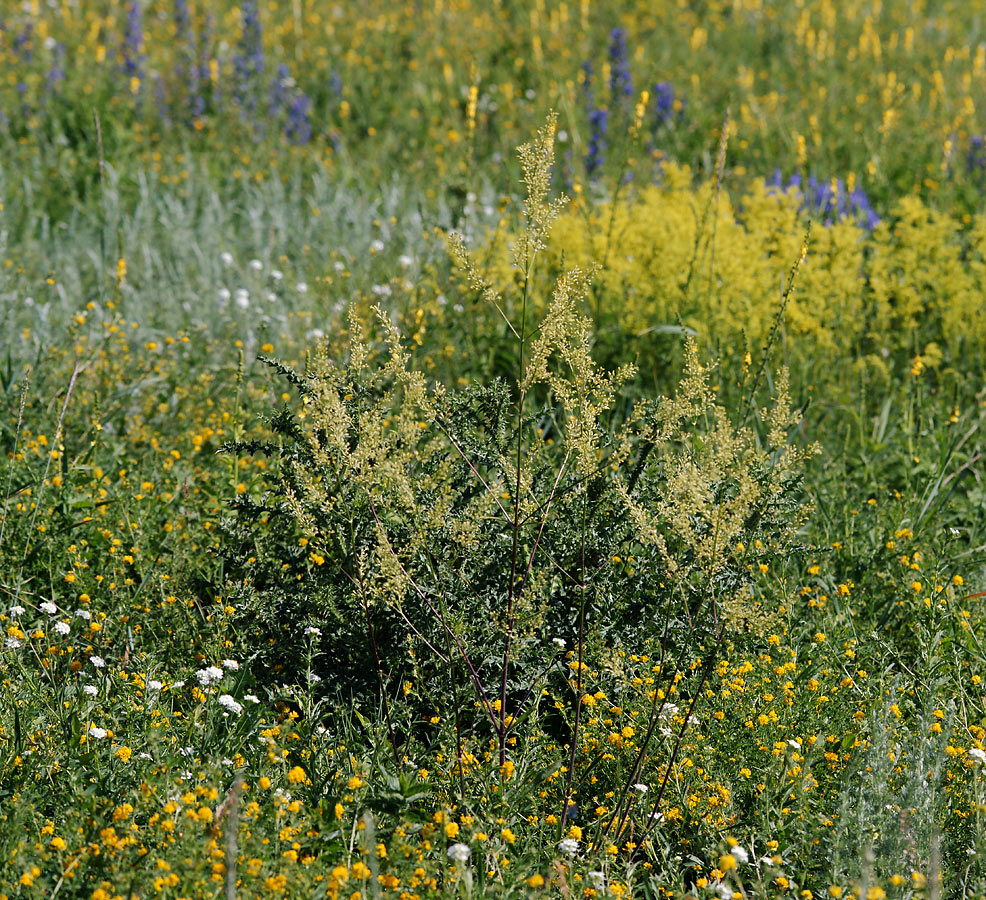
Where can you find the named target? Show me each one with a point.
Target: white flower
(223, 294)
(154, 685)
(242, 298)
(83, 614)
(339, 266)
(405, 261)
(231, 664)
(209, 676)
(63, 627)
(569, 846)
(311, 629)
(230, 704)
(178, 685)
(91, 690)
(740, 854)
(98, 662)
(96, 732)
(227, 258)
(560, 642)
(270, 296)
(598, 880)
(301, 287)
(724, 891)
(13, 644)
(643, 788)
(49, 608)
(376, 246)
(256, 265)
(381, 290)
(253, 698)
(276, 274)
(978, 755)
(313, 678)
(17, 610)
(562, 136)
(459, 853)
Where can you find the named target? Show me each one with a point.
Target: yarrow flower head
(49, 608)
(210, 675)
(459, 853)
(978, 755)
(230, 704)
(96, 732)
(569, 846)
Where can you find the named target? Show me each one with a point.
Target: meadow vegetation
(391, 512)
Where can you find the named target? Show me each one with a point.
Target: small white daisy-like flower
(98, 662)
(230, 704)
(17, 611)
(276, 274)
(227, 258)
(459, 853)
(339, 266)
(569, 846)
(311, 629)
(63, 627)
(231, 664)
(978, 755)
(97, 732)
(643, 788)
(405, 261)
(376, 246)
(301, 287)
(13, 644)
(178, 685)
(49, 608)
(154, 685)
(252, 698)
(313, 678)
(242, 298)
(223, 294)
(598, 880)
(91, 690)
(741, 855)
(83, 614)
(256, 265)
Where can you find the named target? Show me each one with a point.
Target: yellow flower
(451, 829)
(727, 862)
(297, 775)
(876, 893)
(536, 880)
(263, 783)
